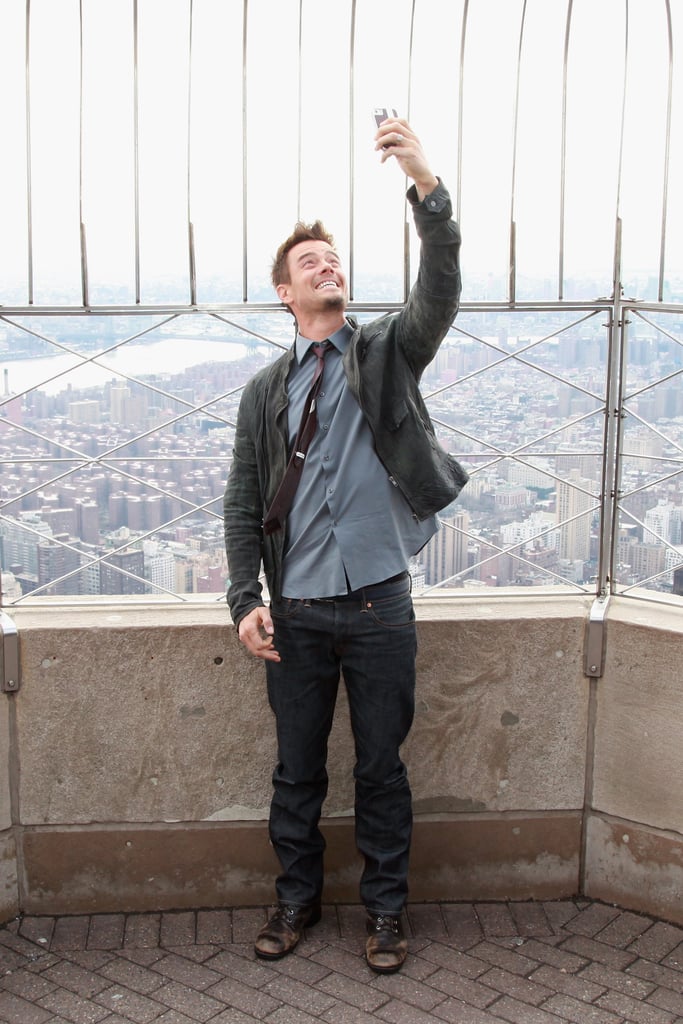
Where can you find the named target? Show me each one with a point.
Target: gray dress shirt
(349, 525)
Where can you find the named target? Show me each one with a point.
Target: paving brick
(301, 968)
(499, 956)
(622, 982)
(196, 976)
(658, 941)
(178, 928)
(561, 959)
(454, 1012)
(634, 1010)
(530, 919)
(130, 1005)
(74, 1008)
(197, 1005)
(412, 993)
(657, 973)
(592, 920)
(170, 1017)
(577, 986)
(462, 925)
(345, 990)
(397, 1012)
(426, 920)
(246, 922)
(38, 930)
(243, 997)
(579, 1012)
(246, 969)
(16, 1010)
(675, 958)
(142, 931)
(560, 912)
(132, 975)
(463, 989)
(521, 1013)
(624, 929)
(496, 919)
(454, 960)
(667, 1000)
(298, 994)
(511, 984)
(70, 933)
(352, 922)
(599, 951)
(287, 1015)
(106, 931)
(342, 961)
(75, 979)
(229, 1016)
(343, 1014)
(26, 984)
(214, 927)
(89, 959)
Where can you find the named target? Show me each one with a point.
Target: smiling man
(336, 481)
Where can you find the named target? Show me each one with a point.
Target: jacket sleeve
(435, 297)
(243, 516)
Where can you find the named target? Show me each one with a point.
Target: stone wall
(140, 748)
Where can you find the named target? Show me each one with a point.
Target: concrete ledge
(140, 748)
(115, 869)
(634, 866)
(9, 886)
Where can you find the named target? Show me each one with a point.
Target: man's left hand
(395, 138)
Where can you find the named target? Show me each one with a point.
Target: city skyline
(142, 456)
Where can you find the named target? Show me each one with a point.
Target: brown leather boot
(386, 947)
(284, 929)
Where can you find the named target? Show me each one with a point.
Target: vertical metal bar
(352, 149)
(136, 148)
(84, 251)
(406, 220)
(190, 225)
(667, 158)
(563, 152)
(622, 131)
(614, 431)
(245, 19)
(612, 437)
(461, 91)
(299, 114)
(512, 268)
(29, 173)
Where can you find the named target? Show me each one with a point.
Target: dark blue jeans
(370, 637)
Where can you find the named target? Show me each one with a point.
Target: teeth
(327, 284)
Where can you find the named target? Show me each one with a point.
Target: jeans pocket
(394, 612)
(285, 608)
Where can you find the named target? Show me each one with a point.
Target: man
(336, 550)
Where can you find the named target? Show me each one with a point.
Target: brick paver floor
(469, 963)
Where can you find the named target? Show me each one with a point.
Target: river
(172, 355)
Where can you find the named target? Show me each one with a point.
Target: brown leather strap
(284, 496)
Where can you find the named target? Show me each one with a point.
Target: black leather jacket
(383, 363)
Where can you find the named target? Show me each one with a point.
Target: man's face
(317, 282)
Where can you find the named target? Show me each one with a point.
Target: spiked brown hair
(279, 272)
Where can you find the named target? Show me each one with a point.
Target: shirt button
(325, 426)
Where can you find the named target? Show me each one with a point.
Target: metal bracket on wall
(594, 647)
(9, 654)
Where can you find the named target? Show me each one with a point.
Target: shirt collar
(340, 339)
